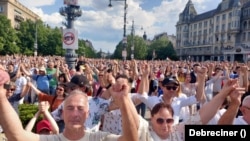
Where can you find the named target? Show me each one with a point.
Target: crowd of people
(106, 100)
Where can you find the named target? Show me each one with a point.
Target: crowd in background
(188, 87)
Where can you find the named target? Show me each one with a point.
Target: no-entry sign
(70, 39)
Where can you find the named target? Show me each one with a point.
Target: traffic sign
(70, 39)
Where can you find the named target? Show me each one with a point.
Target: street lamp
(35, 44)
(124, 41)
(71, 12)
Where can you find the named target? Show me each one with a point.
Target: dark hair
(160, 106)
(121, 76)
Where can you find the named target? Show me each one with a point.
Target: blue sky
(103, 26)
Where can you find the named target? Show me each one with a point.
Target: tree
(140, 48)
(163, 48)
(8, 37)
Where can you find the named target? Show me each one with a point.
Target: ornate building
(219, 34)
(16, 12)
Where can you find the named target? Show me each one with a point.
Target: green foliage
(26, 112)
(8, 37)
(163, 48)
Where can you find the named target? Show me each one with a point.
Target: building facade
(16, 12)
(220, 34)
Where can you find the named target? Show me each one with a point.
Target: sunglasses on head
(171, 87)
(168, 120)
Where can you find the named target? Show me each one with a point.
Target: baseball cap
(43, 124)
(169, 80)
(78, 80)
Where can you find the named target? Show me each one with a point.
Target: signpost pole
(70, 38)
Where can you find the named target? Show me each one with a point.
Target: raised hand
(43, 106)
(236, 95)
(4, 76)
(120, 90)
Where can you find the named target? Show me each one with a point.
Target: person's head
(42, 70)
(43, 127)
(60, 90)
(187, 77)
(62, 77)
(170, 87)
(75, 110)
(162, 119)
(10, 88)
(78, 81)
(245, 109)
(51, 65)
(10, 67)
(195, 67)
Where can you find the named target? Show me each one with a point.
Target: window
(1, 9)
(224, 17)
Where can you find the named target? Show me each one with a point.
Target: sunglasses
(59, 89)
(11, 89)
(171, 87)
(168, 120)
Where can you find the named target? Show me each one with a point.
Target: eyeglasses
(171, 87)
(11, 90)
(168, 120)
(59, 89)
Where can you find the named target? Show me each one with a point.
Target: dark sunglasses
(168, 120)
(171, 87)
(59, 89)
(11, 89)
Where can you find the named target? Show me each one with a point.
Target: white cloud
(103, 26)
(37, 3)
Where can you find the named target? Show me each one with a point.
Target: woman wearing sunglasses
(14, 98)
(54, 100)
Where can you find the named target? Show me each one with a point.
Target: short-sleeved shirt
(53, 101)
(42, 81)
(88, 136)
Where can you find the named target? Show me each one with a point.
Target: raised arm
(217, 101)
(228, 117)
(201, 76)
(32, 121)
(44, 107)
(34, 88)
(9, 119)
(130, 118)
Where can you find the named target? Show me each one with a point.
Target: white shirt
(20, 83)
(179, 105)
(240, 121)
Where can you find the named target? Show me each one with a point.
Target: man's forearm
(9, 120)
(213, 106)
(229, 115)
(130, 121)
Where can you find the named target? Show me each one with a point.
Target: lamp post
(124, 40)
(133, 43)
(35, 44)
(71, 12)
